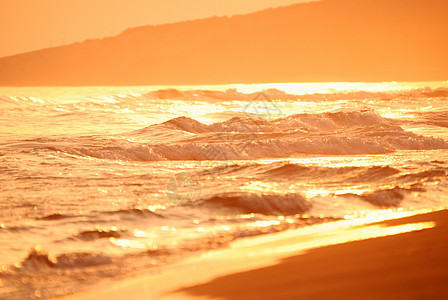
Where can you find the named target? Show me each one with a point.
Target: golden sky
(27, 25)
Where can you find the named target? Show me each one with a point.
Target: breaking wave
(335, 133)
(90, 235)
(425, 175)
(281, 170)
(247, 203)
(383, 198)
(38, 258)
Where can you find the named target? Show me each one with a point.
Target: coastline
(411, 265)
(391, 255)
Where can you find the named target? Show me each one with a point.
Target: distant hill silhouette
(332, 40)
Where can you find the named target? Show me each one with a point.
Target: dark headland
(326, 41)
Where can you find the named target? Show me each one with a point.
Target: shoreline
(395, 254)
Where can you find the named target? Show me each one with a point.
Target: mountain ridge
(330, 40)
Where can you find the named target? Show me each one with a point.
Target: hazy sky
(27, 25)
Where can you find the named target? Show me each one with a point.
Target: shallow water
(100, 182)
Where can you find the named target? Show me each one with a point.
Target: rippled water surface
(99, 182)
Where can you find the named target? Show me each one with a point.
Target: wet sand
(412, 265)
(405, 266)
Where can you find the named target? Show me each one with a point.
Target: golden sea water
(100, 182)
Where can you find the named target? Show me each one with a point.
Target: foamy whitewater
(103, 183)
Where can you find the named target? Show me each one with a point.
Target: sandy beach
(409, 265)
(406, 266)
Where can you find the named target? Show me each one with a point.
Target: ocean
(103, 183)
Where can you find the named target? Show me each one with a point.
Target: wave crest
(287, 204)
(336, 133)
(38, 258)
